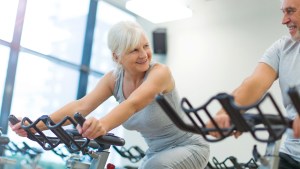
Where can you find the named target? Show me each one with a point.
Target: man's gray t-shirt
(284, 57)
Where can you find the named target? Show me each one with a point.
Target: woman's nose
(143, 53)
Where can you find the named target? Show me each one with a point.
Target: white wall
(216, 49)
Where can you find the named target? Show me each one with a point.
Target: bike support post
(99, 160)
(272, 155)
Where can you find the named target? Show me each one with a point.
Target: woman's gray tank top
(154, 125)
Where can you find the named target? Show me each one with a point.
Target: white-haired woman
(134, 83)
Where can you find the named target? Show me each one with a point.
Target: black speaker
(160, 41)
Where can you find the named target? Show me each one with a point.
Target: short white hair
(123, 37)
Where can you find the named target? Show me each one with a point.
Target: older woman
(134, 83)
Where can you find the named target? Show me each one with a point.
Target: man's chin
(296, 37)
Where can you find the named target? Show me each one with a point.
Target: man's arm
(256, 85)
(250, 91)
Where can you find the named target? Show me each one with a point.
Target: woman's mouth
(141, 62)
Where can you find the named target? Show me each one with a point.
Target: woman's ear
(115, 57)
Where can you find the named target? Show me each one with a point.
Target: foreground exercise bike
(30, 155)
(242, 120)
(4, 140)
(98, 148)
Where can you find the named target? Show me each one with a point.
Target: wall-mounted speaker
(159, 37)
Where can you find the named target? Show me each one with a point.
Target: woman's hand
(17, 129)
(92, 128)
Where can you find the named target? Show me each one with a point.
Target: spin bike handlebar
(105, 139)
(70, 137)
(295, 98)
(275, 125)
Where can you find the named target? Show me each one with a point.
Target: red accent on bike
(110, 166)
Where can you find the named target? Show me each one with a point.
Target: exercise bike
(30, 156)
(3, 160)
(273, 124)
(231, 162)
(97, 149)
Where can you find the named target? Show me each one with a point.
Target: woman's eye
(134, 50)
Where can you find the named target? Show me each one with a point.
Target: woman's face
(138, 59)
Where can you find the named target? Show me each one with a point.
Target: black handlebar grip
(105, 139)
(79, 118)
(13, 119)
(294, 96)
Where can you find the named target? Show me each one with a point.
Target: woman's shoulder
(160, 67)
(110, 75)
(110, 78)
(162, 74)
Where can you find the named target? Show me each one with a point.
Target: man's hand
(223, 121)
(296, 127)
